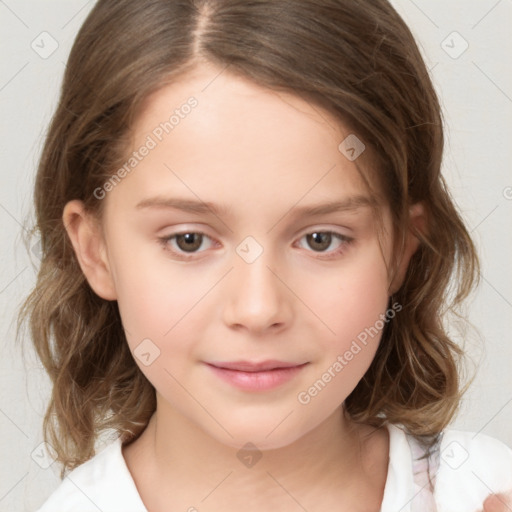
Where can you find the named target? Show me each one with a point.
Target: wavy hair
(358, 61)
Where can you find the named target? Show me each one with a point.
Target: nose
(258, 299)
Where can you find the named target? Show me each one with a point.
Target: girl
(247, 246)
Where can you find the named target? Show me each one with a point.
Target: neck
(190, 468)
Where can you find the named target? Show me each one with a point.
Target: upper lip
(251, 366)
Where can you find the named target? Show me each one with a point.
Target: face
(247, 301)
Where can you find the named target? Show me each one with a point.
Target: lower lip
(257, 381)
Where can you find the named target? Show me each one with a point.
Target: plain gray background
(475, 86)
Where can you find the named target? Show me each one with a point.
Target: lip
(250, 366)
(256, 376)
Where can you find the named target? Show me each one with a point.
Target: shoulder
(465, 468)
(103, 484)
(471, 466)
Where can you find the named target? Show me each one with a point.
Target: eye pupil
(192, 241)
(323, 239)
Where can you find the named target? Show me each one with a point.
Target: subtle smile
(256, 376)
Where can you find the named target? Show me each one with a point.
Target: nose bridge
(257, 297)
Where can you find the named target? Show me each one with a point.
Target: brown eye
(320, 241)
(189, 242)
(327, 244)
(186, 245)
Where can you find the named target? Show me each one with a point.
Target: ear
(417, 223)
(88, 242)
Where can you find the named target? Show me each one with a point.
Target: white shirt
(470, 467)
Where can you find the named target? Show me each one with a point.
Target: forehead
(217, 135)
(231, 104)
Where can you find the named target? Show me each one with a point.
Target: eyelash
(345, 242)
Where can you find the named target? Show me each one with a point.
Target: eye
(181, 244)
(320, 241)
(186, 244)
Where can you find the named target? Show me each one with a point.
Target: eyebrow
(201, 207)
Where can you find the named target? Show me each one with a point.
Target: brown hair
(357, 60)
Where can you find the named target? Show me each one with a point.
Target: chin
(263, 433)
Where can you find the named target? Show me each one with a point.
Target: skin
(262, 154)
(498, 503)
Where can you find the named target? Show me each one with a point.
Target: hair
(359, 62)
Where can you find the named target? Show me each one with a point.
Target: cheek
(362, 299)
(343, 358)
(351, 300)
(153, 296)
(350, 309)
(159, 311)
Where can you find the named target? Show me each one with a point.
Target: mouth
(256, 376)
(249, 366)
